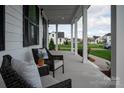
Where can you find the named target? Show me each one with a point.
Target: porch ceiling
(60, 14)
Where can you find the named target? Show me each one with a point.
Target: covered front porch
(82, 72)
(66, 15)
(86, 75)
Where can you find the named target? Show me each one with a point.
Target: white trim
(75, 37)
(71, 37)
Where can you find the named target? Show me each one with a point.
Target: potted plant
(41, 59)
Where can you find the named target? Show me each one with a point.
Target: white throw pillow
(28, 71)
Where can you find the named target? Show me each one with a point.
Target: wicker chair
(54, 61)
(14, 82)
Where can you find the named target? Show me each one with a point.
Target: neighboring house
(99, 40)
(68, 39)
(61, 38)
(91, 40)
(95, 39)
(107, 40)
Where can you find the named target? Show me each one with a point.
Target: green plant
(109, 65)
(89, 49)
(66, 42)
(41, 55)
(51, 45)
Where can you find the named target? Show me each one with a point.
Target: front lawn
(65, 47)
(96, 50)
(96, 46)
(106, 54)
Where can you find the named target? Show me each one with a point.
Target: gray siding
(14, 35)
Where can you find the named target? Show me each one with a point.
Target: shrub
(51, 45)
(80, 51)
(66, 42)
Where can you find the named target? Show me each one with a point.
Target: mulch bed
(91, 59)
(108, 73)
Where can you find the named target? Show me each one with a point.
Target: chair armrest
(43, 71)
(64, 84)
(57, 57)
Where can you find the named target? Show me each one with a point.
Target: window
(2, 27)
(52, 35)
(30, 25)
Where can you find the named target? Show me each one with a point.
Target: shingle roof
(60, 34)
(109, 34)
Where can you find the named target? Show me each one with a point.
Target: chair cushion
(58, 63)
(28, 71)
(48, 81)
(12, 79)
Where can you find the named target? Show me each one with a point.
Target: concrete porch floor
(83, 75)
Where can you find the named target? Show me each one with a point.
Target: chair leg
(54, 74)
(63, 69)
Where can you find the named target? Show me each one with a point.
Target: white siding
(14, 35)
(120, 45)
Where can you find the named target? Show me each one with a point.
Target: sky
(99, 22)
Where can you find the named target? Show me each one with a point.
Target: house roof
(95, 37)
(60, 34)
(109, 34)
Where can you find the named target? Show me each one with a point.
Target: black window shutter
(2, 27)
(30, 25)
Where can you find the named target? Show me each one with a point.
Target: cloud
(99, 21)
(98, 16)
(97, 33)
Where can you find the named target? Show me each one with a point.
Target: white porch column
(56, 37)
(76, 37)
(84, 25)
(113, 45)
(72, 38)
(47, 36)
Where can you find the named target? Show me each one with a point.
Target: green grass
(65, 47)
(106, 54)
(95, 46)
(80, 46)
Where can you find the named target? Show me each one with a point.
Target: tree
(66, 42)
(51, 44)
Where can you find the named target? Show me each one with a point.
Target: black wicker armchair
(13, 80)
(44, 71)
(54, 61)
(63, 84)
